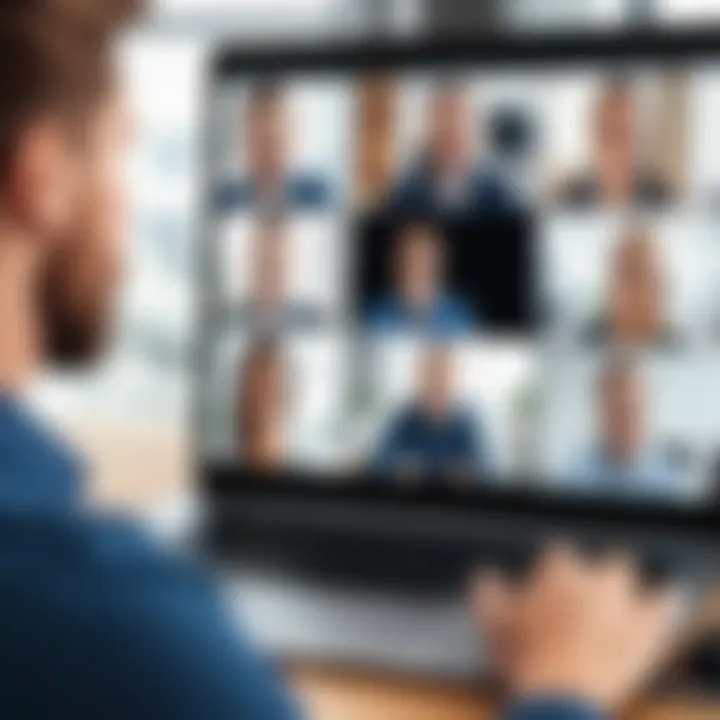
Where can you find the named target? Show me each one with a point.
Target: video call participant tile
(452, 279)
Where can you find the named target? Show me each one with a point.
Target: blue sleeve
(464, 319)
(311, 193)
(380, 317)
(554, 709)
(476, 445)
(232, 196)
(390, 446)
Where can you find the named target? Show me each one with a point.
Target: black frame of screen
(224, 484)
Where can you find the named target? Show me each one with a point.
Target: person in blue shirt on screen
(266, 147)
(623, 463)
(434, 438)
(419, 302)
(447, 177)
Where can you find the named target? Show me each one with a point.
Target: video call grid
(429, 437)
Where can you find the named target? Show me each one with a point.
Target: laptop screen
(476, 279)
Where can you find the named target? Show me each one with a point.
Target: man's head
(450, 133)
(636, 287)
(621, 409)
(614, 132)
(61, 136)
(270, 264)
(266, 135)
(436, 381)
(420, 262)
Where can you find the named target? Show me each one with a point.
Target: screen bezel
(224, 483)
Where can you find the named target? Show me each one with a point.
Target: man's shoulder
(454, 314)
(587, 464)
(411, 190)
(309, 189)
(454, 307)
(383, 313)
(81, 550)
(465, 420)
(406, 418)
(96, 598)
(492, 182)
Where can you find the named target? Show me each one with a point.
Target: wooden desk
(342, 695)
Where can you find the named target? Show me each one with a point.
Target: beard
(76, 303)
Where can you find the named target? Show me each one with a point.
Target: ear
(44, 179)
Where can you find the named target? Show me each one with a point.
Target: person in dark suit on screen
(447, 177)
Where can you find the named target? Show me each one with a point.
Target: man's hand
(579, 631)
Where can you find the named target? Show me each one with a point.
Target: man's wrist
(555, 708)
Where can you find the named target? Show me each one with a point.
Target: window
(682, 11)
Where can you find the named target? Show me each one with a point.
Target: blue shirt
(300, 192)
(447, 317)
(97, 622)
(648, 476)
(481, 192)
(554, 709)
(417, 444)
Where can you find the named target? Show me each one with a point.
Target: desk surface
(343, 695)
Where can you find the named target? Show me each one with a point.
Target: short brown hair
(54, 59)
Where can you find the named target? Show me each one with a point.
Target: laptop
(457, 299)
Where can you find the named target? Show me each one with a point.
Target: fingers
(616, 579)
(560, 582)
(495, 610)
(660, 614)
(563, 579)
(560, 566)
(588, 626)
(493, 600)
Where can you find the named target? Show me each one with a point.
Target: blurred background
(131, 414)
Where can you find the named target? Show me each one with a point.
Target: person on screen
(622, 463)
(636, 307)
(266, 141)
(419, 303)
(435, 437)
(615, 178)
(259, 409)
(446, 177)
(269, 308)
